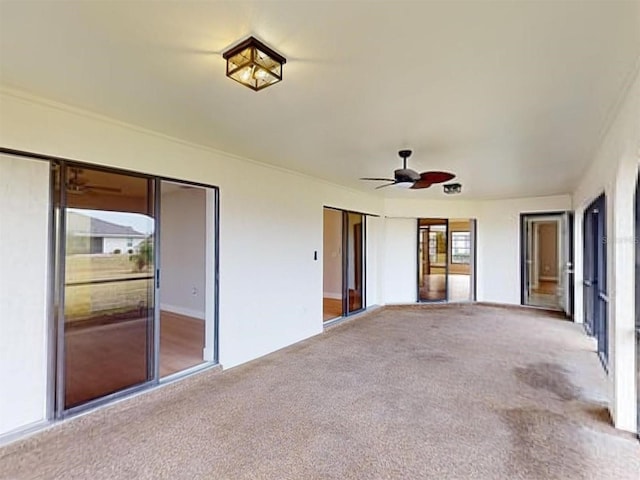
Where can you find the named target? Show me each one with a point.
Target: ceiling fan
(406, 175)
(78, 186)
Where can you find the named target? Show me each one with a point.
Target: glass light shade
(253, 64)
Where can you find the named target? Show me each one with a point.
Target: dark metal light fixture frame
(253, 64)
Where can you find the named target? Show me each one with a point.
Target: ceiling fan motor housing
(406, 175)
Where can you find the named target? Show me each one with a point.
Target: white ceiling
(512, 96)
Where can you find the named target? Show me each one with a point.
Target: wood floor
(181, 342)
(546, 287)
(331, 308)
(545, 295)
(102, 359)
(433, 287)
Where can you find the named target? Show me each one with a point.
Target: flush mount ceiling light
(452, 188)
(253, 64)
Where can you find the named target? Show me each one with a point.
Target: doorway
(343, 263)
(446, 260)
(595, 296)
(185, 253)
(547, 256)
(134, 254)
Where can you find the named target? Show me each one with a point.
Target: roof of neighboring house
(85, 225)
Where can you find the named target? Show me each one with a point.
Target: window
(433, 250)
(461, 247)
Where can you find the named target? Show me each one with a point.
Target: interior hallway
(447, 392)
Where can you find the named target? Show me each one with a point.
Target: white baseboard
(187, 312)
(23, 431)
(333, 295)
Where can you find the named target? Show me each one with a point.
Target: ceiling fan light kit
(452, 188)
(253, 64)
(409, 178)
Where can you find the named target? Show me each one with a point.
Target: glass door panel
(601, 296)
(109, 283)
(432, 260)
(588, 272)
(332, 265)
(355, 261)
(183, 289)
(545, 260)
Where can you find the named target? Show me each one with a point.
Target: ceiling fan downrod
(404, 154)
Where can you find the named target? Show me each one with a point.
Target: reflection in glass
(355, 236)
(108, 284)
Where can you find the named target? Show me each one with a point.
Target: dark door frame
(596, 301)
(524, 269)
(446, 265)
(345, 262)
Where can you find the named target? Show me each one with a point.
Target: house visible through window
(461, 247)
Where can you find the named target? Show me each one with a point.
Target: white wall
(400, 260)
(24, 224)
(374, 250)
(614, 171)
(182, 250)
(497, 237)
(332, 253)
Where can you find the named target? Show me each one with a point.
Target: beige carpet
(443, 392)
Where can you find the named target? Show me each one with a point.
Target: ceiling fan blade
(104, 189)
(385, 185)
(420, 184)
(436, 177)
(375, 179)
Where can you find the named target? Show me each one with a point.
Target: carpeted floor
(443, 392)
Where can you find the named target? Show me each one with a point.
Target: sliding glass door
(354, 265)
(135, 296)
(432, 259)
(343, 263)
(109, 283)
